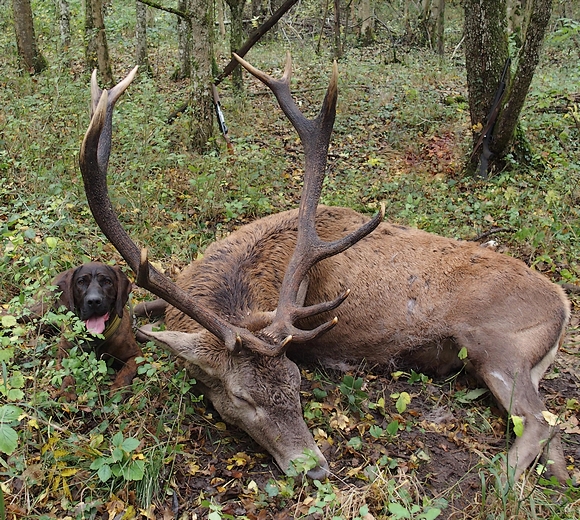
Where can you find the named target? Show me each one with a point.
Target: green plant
(123, 462)
(351, 388)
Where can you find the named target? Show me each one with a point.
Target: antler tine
(310, 249)
(93, 160)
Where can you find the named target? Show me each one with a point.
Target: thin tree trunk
(141, 37)
(202, 18)
(236, 37)
(64, 24)
(97, 50)
(337, 36)
(31, 57)
(184, 36)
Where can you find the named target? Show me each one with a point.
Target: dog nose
(94, 301)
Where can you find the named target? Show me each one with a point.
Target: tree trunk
(236, 37)
(64, 24)
(97, 50)
(141, 37)
(486, 49)
(31, 57)
(337, 36)
(201, 129)
(367, 21)
(440, 27)
(184, 36)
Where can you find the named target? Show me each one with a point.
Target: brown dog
(98, 293)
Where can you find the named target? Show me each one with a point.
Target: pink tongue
(96, 324)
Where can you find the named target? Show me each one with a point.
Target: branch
(253, 39)
(151, 3)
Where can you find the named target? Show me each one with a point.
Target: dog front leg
(67, 388)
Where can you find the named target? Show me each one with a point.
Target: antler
(310, 249)
(93, 159)
(315, 136)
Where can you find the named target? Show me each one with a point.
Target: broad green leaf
(518, 425)
(431, 514)
(130, 444)
(402, 402)
(462, 354)
(134, 470)
(117, 439)
(104, 473)
(376, 431)
(355, 443)
(10, 413)
(51, 242)
(8, 439)
(398, 511)
(8, 321)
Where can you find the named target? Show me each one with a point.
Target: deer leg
(519, 396)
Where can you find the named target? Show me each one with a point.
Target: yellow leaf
(33, 423)
(221, 426)
(192, 468)
(68, 472)
(253, 487)
(550, 418)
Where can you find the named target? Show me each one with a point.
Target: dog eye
(82, 281)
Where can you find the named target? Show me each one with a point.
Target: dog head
(95, 292)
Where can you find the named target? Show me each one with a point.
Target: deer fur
(416, 299)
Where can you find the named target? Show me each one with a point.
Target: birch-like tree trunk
(64, 24)
(31, 57)
(366, 16)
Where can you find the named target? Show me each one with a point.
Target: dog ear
(124, 287)
(64, 282)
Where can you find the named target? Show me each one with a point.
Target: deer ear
(190, 346)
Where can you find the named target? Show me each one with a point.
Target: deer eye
(242, 399)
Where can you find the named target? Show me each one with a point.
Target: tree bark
(142, 55)
(486, 49)
(201, 129)
(31, 57)
(236, 37)
(96, 49)
(64, 24)
(184, 37)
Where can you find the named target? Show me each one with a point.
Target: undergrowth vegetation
(401, 137)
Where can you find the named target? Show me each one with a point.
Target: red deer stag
(254, 301)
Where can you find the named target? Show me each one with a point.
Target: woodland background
(401, 445)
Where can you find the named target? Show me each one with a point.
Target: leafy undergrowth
(399, 445)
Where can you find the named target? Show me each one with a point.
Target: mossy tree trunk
(487, 49)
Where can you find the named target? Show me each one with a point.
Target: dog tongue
(96, 324)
